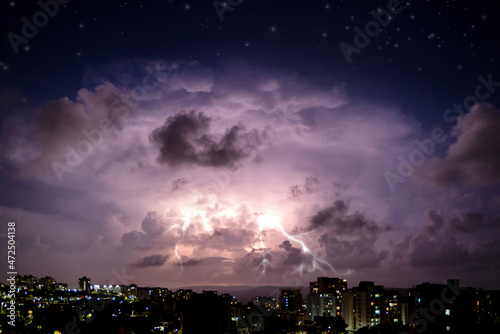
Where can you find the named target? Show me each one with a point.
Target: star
(273, 29)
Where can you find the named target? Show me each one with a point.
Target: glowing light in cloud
(273, 222)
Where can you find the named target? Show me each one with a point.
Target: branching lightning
(264, 221)
(273, 222)
(187, 216)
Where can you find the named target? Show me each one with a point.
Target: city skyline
(183, 143)
(328, 303)
(77, 284)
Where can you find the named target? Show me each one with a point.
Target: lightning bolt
(265, 220)
(187, 216)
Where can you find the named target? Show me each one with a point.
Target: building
(206, 313)
(152, 293)
(26, 282)
(369, 305)
(290, 300)
(322, 305)
(47, 283)
(442, 308)
(329, 288)
(84, 284)
(327, 285)
(488, 310)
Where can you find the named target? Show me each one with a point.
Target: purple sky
(207, 178)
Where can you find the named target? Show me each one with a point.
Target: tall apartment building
(290, 300)
(322, 305)
(369, 305)
(325, 297)
(442, 308)
(84, 283)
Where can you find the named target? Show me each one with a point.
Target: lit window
(447, 312)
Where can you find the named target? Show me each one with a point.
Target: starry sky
(249, 142)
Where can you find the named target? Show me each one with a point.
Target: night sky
(249, 142)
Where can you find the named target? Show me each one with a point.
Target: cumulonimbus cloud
(474, 159)
(185, 139)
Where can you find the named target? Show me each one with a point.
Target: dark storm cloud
(251, 260)
(349, 254)
(189, 263)
(475, 157)
(485, 255)
(467, 222)
(185, 139)
(436, 245)
(154, 260)
(335, 217)
(40, 135)
(349, 239)
(436, 252)
(325, 216)
(57, 125)
(435, 222)
(294, 256)
(464, 222)
(286, 245)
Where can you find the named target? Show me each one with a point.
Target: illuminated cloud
(267, 180)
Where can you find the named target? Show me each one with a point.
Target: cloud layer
(201, 177)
